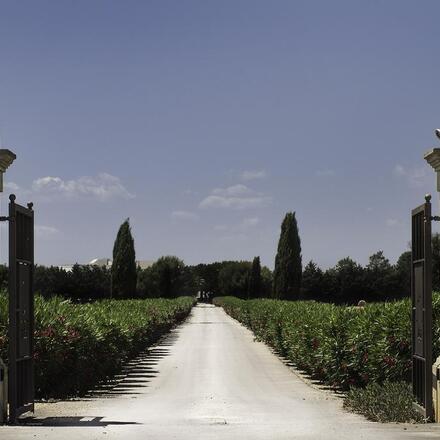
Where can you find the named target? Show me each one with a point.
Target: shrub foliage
(79, 345)
(341, 346)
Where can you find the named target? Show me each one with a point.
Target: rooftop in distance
(107, 262)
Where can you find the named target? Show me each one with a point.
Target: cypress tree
(288, 263)
(124, 273)
(255, 279)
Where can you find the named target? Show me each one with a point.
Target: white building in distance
(107, 263)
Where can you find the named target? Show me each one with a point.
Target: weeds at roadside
(389, 402)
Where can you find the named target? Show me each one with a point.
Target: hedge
(339, 345)
(79, 345)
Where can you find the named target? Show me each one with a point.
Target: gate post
(421, 310)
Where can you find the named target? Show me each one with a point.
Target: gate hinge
(435, 218)
(4, 219)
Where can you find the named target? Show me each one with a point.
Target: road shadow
(72, 422)
(133, 378)
(137, 373)
(308, 378)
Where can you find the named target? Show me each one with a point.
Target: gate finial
(428, 197)
(12, 198)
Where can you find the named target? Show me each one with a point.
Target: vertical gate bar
(414, 371)
(31, 308)
(12, 383)
(427, 305)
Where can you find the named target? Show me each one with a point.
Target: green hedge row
(339, 345)
(79, 345)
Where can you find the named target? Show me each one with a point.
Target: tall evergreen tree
(288, 262)
(255, 279)
(124, 273)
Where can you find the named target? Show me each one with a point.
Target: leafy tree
(233, 279)
(50, 281)
(312, 281)
(82, 283)
(266, 282)
(88, 282)
(403, 273)
(124, 272)
(168, 277)
(288, 261)
(190, 282)
(147, 284)
(346, 281)
(255, 279)
(380, 276)
(209, 274)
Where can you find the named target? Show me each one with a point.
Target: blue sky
(206, 121)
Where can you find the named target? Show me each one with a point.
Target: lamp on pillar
(433, 158)
(6, 159)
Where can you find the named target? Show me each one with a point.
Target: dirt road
(208, 379)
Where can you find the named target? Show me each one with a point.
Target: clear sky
(206, 121)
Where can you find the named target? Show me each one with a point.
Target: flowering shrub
(341, 346)
(79, 345)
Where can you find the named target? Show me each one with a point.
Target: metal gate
(21, 309)
(421, 299)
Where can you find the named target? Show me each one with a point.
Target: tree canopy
(123, 272)
(288, 261)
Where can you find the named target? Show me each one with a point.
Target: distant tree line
(82, 283)
(243, 279)
(169, 277)
(349, 282)
(346, 282)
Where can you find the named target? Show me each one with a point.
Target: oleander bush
(80, 345)
(341, 346)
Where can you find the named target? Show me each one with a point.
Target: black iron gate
(421, 299)
(21, 309)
